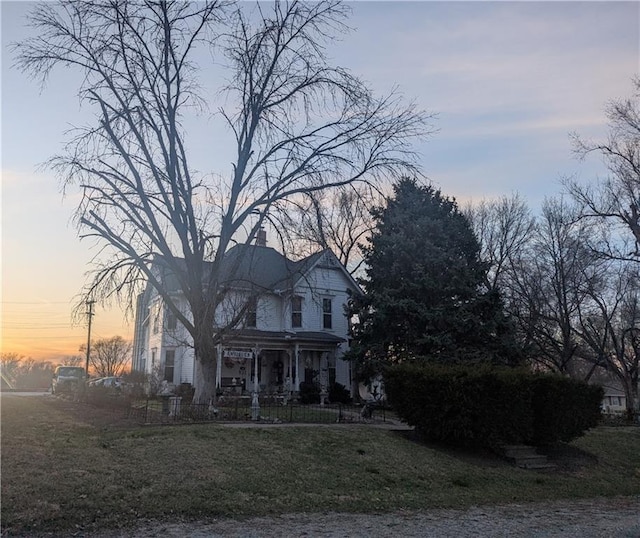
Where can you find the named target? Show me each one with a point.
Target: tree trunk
(631, 393)
(205, 367)
(205, 380)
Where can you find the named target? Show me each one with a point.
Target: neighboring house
(293, 329)
(614, 401)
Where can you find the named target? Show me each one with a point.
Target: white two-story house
(293, 328)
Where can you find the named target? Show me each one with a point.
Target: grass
(66, 467)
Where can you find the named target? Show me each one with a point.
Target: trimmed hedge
(487, 406)
(563, 408)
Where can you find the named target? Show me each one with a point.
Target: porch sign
(236, 354)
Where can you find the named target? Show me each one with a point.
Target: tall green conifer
(424, 297)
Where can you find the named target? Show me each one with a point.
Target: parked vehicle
(67, 379)
(108, 382)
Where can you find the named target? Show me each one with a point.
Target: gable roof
(316, 260)
(254, 266)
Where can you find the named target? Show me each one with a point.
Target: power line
(15, 339)
(41, 303)
(34, 323)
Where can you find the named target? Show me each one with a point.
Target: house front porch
(277, 363)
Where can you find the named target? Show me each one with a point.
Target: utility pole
(90, 314)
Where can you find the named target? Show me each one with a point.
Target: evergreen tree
(425, 297)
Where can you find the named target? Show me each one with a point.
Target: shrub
(488, 406)
(309, 393)
(186, 391)
(563, 408)
(338, 393)
(107, 397)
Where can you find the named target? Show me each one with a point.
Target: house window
(296, 311)
(153, 357)
(326, 313)
(156, 322)
(251, 318)
(169, 364)
(172, 321)
(331, 368)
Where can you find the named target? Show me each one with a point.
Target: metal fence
(173, 410)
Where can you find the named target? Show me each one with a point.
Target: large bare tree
(609, 326)
(298, 124)
(503, 226)
(547, 284)
(616, 197)
(110, 356)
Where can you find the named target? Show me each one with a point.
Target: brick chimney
(261, 237)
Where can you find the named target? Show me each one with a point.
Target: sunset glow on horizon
(45, 330)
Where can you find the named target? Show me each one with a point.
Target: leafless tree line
(20, 372)
(570, 276)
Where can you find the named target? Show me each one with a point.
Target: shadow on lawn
(567, 458)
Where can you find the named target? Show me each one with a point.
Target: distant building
(294, 328)
(614, 400)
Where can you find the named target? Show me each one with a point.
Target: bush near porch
(480, 405)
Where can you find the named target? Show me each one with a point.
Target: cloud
(460, 56)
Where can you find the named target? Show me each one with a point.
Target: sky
(507, 81)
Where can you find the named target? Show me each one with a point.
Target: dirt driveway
(598, 518)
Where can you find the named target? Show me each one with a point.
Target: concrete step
(518, 451)
(526, 457)
(534, 462)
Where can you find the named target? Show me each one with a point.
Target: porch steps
(526, 457)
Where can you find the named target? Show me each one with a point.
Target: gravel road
(595, 518)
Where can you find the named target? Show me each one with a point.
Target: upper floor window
(251, 316)
(296, 311)
(156, 322)
(171, 321)
(326, 313)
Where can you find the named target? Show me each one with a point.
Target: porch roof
(281, 337)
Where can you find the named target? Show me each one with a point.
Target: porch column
(324, 377)
(288, 382)
(255, 402)
(256, 385)
(219, 366)
(296, 383)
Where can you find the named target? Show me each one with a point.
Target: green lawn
(64, 467)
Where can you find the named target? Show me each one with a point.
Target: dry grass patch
(66, 466)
